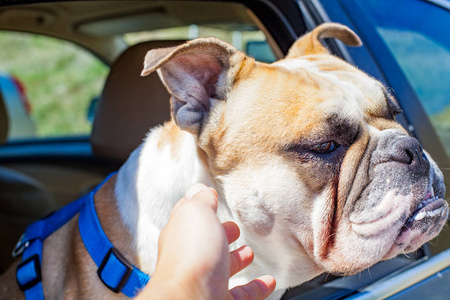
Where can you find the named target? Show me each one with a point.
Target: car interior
(38, 176)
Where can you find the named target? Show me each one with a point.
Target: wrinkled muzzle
(399, 209)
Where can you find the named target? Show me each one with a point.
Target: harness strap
(114, 270)
(28, 272)
(43, 228)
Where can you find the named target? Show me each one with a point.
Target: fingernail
(195, 189)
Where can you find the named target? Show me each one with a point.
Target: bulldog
(305, 154)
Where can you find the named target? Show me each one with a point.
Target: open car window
(47, 85)
(51, 86)
(416, 34)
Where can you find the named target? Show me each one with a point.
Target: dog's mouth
(430, 207)
(424, 223)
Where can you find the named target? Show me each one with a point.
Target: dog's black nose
(407, 150)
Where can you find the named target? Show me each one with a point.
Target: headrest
(130, 104)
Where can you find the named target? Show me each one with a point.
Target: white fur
(148, 186)
(256, 204)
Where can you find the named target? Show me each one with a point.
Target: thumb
(203, 195)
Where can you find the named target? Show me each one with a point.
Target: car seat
(23, 200)
(130, 104)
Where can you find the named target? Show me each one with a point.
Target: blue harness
(113, 269)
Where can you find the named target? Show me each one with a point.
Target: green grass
(60, 79)
(441, 122)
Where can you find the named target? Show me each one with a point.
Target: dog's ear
(310, 42)
(196, 74)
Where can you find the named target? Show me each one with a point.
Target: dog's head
(307, 150)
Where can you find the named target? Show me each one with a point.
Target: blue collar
(113, 269)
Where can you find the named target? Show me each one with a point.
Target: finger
(178, 204)
(240, 259)
(200, 193)
(257, 289)
(232, 231)
(215, 192)
(195, 189)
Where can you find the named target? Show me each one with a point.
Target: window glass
(252, 42)
(47, 85)
(416, 32)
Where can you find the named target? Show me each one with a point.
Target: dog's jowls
(305, 154)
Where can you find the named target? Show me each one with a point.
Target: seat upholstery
(130, 104)
(22, 200)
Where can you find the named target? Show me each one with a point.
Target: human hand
(194, 261)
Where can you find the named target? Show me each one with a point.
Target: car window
(244, 37)
(50, 86)
(416, 33)
(47, 85)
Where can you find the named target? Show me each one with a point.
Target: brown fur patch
(310, 42)
(170, 137)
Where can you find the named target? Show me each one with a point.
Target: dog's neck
(149, 184)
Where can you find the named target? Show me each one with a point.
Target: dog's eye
(325, 148)
(397, 111)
